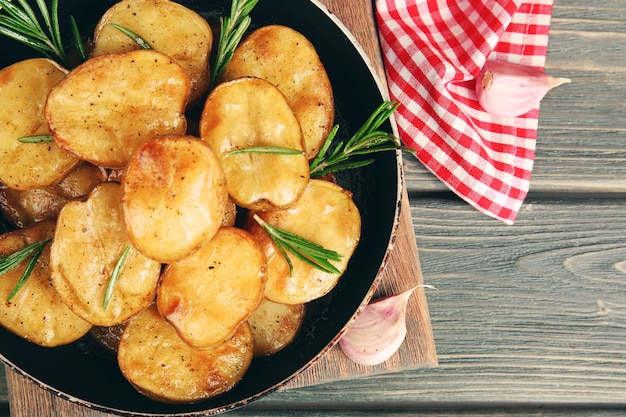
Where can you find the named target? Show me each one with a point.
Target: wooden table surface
(527, 319)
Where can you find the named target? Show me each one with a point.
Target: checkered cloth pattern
(433, 49)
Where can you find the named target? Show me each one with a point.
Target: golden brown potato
(288, 60)
(25, 207)
(251, 112)
(209, 293)
(160, 365)
(274, 326)
(326, 215)
(173, 196)
(36, 313)
(168, 27)
(90, 238)
(106, 108)
(24, 87)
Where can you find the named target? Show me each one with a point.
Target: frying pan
(83, 373)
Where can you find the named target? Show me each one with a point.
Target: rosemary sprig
(78, 42)
(232, 30)
(19, 21)
(143, 44)
(115, 274)
(36, 139)
(367, 140)
(11, 261)
(277, 150)
(312, 253)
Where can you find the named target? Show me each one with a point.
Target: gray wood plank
(533, 312)
(430, 411)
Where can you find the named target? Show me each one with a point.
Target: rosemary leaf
(36, 139)
(277, 150)
(310, 252)
(115, 274)
(78, 41)
(25, 14)
(232, 29)
(51, 20)
(11, 261)
(367, 140)
(321, 154)
(143, 44)
(29, 41)
(20, 26)
(43, 8)
(53, 23)
(17, 29)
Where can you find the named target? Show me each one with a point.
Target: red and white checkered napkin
(433, 49)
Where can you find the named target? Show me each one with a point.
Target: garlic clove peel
(507, 89)
(378, 331)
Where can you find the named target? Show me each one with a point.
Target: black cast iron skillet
(81, 372)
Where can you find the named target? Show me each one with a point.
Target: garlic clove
(378, 331)
(507, 89)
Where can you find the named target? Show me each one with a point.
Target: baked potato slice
(250, 112)
(274, 326)
(24, 87)
(25, 207)
(36, 312)
(168, 27)
(326, 215)
(161, 366)
(89, 241)
(209, 293)
(137, 95)
(173, 196)
(287, 59)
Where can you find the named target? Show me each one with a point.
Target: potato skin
(24, 87)
(108, 337)
(209, 293)
(36, 313)
(90, 237)
(160, 365)
(287, 59)
(139, 95)
(274, 326)
(169, 27)
(326, 215)
(173, 196)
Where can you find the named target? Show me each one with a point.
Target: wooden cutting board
(402, 272)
